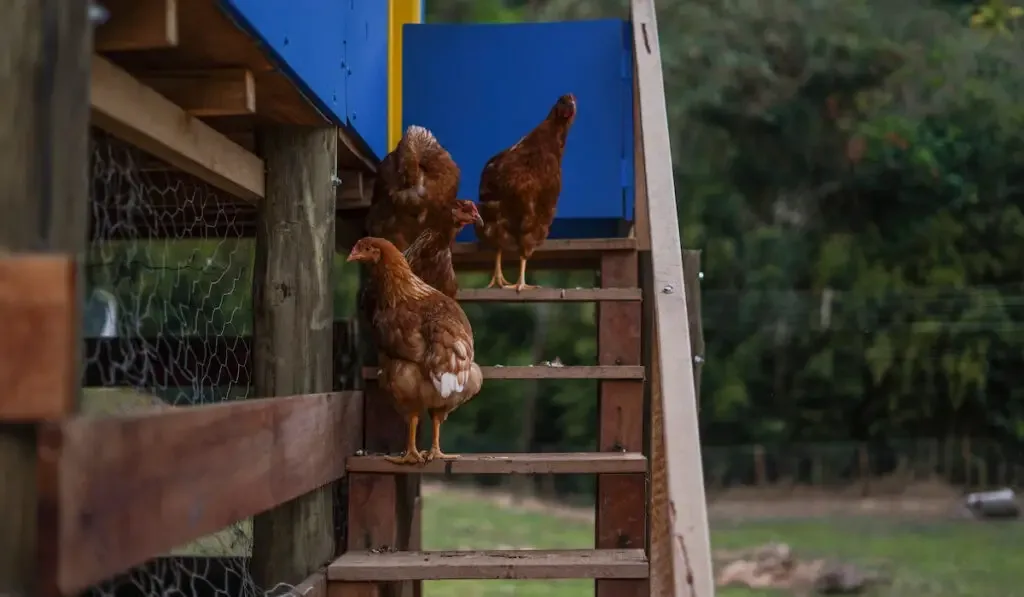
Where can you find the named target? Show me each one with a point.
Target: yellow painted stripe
(400, 12)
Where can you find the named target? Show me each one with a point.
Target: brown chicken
(519, 188)
(426, 345)
(414, 184)
(430, 256)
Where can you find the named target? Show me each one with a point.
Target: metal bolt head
(700, 275)
(98, 14)
(335, 180)
(668, 289)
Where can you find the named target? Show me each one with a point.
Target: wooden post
(293, 309)
(44, 198)
(691, 277)
(621, 498)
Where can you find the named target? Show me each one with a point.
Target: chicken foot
(498, 278)
(412, 455)
(521, 285)
(435, 447)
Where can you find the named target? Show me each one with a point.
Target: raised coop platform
(279, 117)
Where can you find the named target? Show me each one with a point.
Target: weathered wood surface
(129, 110)
(137, 486)
(551, 372)
(293, 308)
(690, 544)
(39, 341)
(510, 564)
(44, 200)
(548, 295)
(562, 463)
(621, 498)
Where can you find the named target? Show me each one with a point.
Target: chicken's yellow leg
(498, 278)
(435, 445)
(412, 455)
(521, 285)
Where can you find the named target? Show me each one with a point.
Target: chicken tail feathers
(414, 146)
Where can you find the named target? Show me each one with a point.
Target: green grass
(927, 558)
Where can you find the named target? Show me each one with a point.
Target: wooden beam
(621, 499)
(39, 342)
(352, 156)
(503, 564)
(572, 463)
(137, 486)
(44, 199)
(577, 253)
(691, 272)
(549, 295)
(690, 543)
(138, 25)
(129, 110)
(293, 312)
(205, 93)
(551, 372)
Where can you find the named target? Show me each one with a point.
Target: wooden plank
(641, 213)
(548, 295)
(205, 93)
(621, 499)
(44, 199)
(506, 464)
(134, 487)
(503, 564)
(138, 25)
(39, 344)
(690, 544)
(129, 110)
(575, 253)
(550, 372)
(293, 313)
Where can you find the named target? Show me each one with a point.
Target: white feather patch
(447, 384)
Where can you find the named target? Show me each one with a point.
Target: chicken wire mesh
(167, 318)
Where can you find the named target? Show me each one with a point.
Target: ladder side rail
(672, 375)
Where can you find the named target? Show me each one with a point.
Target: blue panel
(366, 37)
(303, 39)
(480, 88)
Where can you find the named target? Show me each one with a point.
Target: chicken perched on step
(414, 185)
(426, 345)
(519, 188)
(430, 256)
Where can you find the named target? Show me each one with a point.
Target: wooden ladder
(383, 501)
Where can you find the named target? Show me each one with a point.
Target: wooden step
(524, 464)
(548, 295)
(584, 253)
(550, 372)
(504, 564)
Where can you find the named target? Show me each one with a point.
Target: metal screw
(335, 180)
(700, 275)
(698, 359)
(667, 289)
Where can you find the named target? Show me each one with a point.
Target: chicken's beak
(479, 220)
(353, 256)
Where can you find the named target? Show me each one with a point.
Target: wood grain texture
(580, 253)
(293, 312)
(690, 543)
(44, 199)
(131, 111)
(39, 342)
(505, 464)
(691, 273)
(135, 25)
(620, 520)
(548, 295)
(134, 487)
(548, 372)
(213, 92)
(510, 564)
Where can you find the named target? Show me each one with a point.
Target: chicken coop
(178, 238)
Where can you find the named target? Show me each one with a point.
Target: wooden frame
(129, 110)
(681, 556)
(193, 466)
